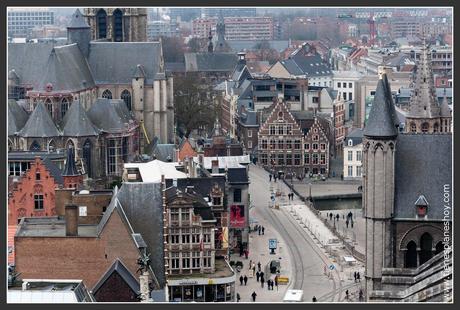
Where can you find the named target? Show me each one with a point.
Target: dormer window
(421, 206)
(350, 142)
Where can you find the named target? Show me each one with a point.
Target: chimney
(71, 220)
(215, 166)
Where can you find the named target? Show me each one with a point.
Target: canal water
(337, 204)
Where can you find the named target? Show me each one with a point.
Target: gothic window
(439, 247)
(38, 201)
(118, 25)
(435, 127)
(126, 96)
(280, 115)
(87, 157)
(64, 107)
(69, 144)
(49, 106)
(51, 146)
(101, 18)
(35, 146)
(425, 127)
(410, 260)
(426, 244)
(107, 94)
(413, 127)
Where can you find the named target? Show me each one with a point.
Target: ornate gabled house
(407, 207)
(86, 70)
(426, 115)
(280, 139)
(316, 146)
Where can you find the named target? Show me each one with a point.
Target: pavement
(325, 188)
(310, 252)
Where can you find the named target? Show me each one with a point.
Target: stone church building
(407, 177)
(86, 70)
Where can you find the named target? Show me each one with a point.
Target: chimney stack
(215, 166)
(71, 220)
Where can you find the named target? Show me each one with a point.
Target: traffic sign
(331, 267)
(272, 243)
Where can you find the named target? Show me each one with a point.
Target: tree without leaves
(194, 45)
(194, 107)
(173, 49)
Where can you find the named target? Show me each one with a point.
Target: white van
(293, 296)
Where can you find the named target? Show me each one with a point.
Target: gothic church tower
(379, 145)
(117, 24)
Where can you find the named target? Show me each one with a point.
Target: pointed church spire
(382, 121)
(423, 102)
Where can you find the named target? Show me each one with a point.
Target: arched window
(101, 18)
(410, 260)
(413, 127)
(439, 247)
(64, 107)
(435, 127)
(425, 127)
(49, 106)
(10, 145)
(51, 146)
(118, 25)
(426, 247)
(107, 94)
(87, 157)
(126, 96)
(70, 144)
(35, 146)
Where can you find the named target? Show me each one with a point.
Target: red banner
(237, 218)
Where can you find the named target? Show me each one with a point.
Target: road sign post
(272, 245)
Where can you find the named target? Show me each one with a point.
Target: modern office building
(22, 20)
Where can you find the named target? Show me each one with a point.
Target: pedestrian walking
(245, 280)
(257, 276)
(330, 216)
(260, 229)
(246, 253)
(258, 266)
(313, 299)
(262, 281)
(343, 216)
(358, 277)
(270, 176)
(351, 223)
(263, 230)
(347, 295)
(337, 217)
(241, 280)
(354, 275)
(253, 269)
(238, 297)
(254, 295)
(361, 294)
(346, 222)
(276, 282)
(250, 264)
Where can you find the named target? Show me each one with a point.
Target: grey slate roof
(143, 206)
(248, 118)
(54, 170)
(306, 65)
(70, 169)
(292, 67)
(165, 152)
(356, 136)
(116, 63)
(109, 115)
(199, 62)
(29, 61)
(30, 156)
(76, 122)
(175, 67)
(139, 72)
(381, 121)
(202, 185)
(17, 117)
(124, 273)
(66, 69)
(237, 176)
(423, 165)
(78, 20)
(39, 124)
